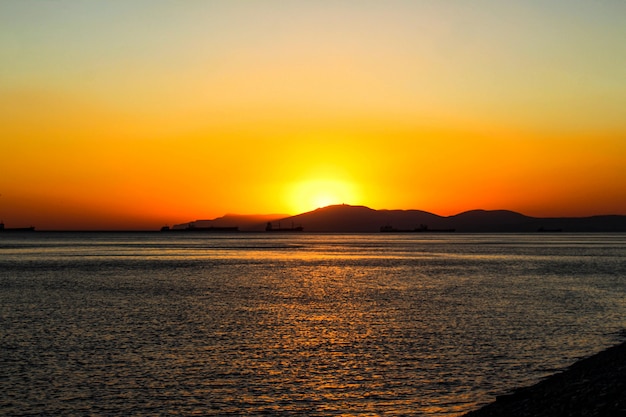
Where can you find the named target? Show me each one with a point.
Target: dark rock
(595, 386)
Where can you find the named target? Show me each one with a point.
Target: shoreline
(593, 386)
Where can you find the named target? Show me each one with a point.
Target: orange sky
(144, 113)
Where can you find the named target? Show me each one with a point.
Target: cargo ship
(16, 229)
(271, 228)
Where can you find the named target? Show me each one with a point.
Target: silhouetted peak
(262, 216)
(334, 207)
(409, 212)
(490, 213)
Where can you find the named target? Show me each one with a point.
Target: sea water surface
(296, 324)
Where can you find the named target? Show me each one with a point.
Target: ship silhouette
(16, 229)
(271, 228)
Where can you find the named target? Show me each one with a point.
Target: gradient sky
(135, 114)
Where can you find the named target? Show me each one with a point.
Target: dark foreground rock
(595, 386)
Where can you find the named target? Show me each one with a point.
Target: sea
(297, 324)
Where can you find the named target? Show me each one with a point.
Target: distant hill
(245, 222)
(494, 221)
(360, 219)
(345, 218)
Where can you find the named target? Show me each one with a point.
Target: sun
(312, 194)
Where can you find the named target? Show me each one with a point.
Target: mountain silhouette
(245, 222)
(345, 218)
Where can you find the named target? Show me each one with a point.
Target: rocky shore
(595, 386)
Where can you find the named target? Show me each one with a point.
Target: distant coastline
(360, 219)
(209, 229)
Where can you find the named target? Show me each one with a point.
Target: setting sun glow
(136, 114)
(313, 194)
